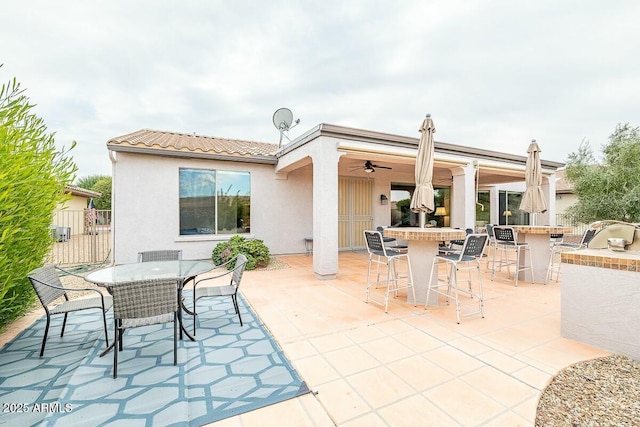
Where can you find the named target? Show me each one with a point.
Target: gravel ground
(599, 392)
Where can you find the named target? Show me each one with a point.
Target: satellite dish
(282, 120)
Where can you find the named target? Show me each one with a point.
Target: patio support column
(325, 210)
(494, 196)
(549, 191)
(463, 197)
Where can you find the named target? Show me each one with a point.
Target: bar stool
(392, 242)
(382, 255)
(491, 243)
(467, 259)
(559, 247)
(506, 243)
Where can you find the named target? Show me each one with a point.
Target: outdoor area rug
(227, 371)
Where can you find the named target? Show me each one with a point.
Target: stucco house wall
(294, 188)
(155, 223)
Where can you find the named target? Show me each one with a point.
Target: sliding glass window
(214, 202)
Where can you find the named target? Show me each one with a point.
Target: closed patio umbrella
(533, 200)
(422, 199)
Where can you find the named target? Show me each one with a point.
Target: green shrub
(32, 180)
(256, 252)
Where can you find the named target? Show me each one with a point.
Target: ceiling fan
(369, 167)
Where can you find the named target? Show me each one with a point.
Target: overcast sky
(493, 74)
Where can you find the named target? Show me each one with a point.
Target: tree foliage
(87, 182)
(32, 180)
(101, 184)
(609, 188)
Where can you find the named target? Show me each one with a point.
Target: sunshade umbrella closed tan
(533, 200)
(422, 199)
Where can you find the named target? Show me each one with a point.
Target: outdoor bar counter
(537, 236)
(423, 247)
(600, 299)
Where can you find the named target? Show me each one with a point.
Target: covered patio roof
(399, 152)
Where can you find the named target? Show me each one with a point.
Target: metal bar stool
(467, 259)
(506, 243)
(382, 255)
(558, 248)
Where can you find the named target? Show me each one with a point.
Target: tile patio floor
(410, 367)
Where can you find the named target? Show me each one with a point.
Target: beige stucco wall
(146, 207)
(71, 214)
(563, 201)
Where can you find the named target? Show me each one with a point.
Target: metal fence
(81, 237)
(567, 220)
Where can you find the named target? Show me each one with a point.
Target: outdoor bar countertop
(537, 239)
(604, 258)
(423, 248)
(540, 229)
(427, 234)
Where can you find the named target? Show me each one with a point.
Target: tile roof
(82, 192)
(562, 184)
(173, 141)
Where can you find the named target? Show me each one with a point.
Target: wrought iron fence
(81, 237)
(570, 221)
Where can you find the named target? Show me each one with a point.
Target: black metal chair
(491, 243)
(505, 241)
(382, 255)
(46, 283)
(557, 248)
(392, 242)
(454, 246)
(467, 259)
(144, 303)
(217, 291)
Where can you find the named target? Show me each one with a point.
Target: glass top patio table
(179, 270)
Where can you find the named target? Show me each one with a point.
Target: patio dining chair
(49, 289)
(160, 255)
(143, 303)
(210, 290)
(467, 259)
(163, 255)
(381, 255)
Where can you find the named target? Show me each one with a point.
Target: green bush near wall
(32, 179)
(256, 251)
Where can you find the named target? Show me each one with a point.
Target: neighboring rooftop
(562, 185)
(82, 192)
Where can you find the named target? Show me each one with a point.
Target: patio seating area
(410, 366)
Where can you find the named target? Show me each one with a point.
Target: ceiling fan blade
(382, 167)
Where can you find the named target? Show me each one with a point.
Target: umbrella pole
(423, 219)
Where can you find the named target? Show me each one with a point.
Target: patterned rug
(229, 370)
